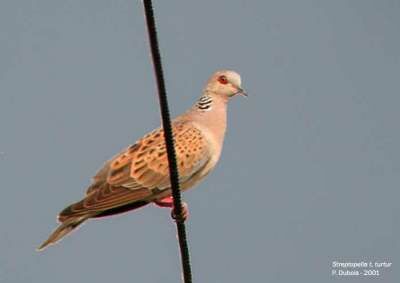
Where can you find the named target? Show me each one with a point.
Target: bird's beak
(240, 91)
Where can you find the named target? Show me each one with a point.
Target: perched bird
(139, 175)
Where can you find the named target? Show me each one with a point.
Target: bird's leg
(169, 202)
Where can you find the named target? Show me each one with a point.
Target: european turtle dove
(139, 175)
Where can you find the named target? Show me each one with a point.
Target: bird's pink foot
(169, 202)
(165, 202)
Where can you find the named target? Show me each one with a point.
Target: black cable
(166, 123)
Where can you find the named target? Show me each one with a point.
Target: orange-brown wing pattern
(145, 164)
(131, 175)
(103, 199)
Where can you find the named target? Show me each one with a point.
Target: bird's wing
(132, 175)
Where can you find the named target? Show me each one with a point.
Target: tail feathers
(65, 227)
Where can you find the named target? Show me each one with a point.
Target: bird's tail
(65, 227)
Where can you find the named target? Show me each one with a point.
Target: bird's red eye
(223, 80)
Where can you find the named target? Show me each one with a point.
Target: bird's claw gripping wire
(169, 202)
(184, 213)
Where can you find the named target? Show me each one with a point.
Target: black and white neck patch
(204, 103)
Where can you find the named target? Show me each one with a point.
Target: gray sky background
(310, 170)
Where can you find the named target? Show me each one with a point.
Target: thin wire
(166, 122)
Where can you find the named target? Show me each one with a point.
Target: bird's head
(225, 84)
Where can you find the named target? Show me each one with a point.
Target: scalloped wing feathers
(133, 174)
